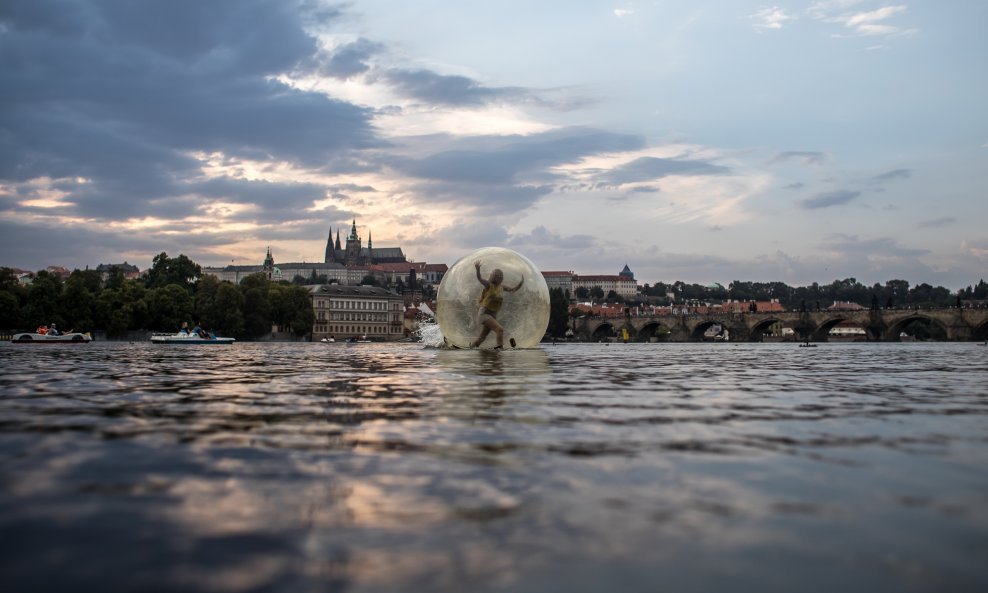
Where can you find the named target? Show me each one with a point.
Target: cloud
(482, 199)
(623, 12)
(120, 94)
(351, 59)
(506, 159)
(937, 223)
(878, 246)
(543, 237)
(828, 199)
(770, 18)
(452, 90)
(806, 157)
(894, 174)
(652, 168)
(862, 23)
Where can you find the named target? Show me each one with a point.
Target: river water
(569, 468)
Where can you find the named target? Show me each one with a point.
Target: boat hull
(32, 338)
(190, 341)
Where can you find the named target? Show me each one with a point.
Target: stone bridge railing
(879, 324)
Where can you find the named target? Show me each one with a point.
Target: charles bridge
(883, 325)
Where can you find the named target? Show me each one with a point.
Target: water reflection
(580, 468)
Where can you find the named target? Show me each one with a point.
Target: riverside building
(345, 311)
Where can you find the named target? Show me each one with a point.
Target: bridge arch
(759, 328)
(899, 325)
(699, 329)
(822, 331)
(653, 329)
(980, 332)
(604, 331)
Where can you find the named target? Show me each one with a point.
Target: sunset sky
(704, 141)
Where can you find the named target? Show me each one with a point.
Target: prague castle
(355, 255)
(346, 264)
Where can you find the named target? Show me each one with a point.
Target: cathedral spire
(330, 252)
(268, 261)
(339, 246)
(370, 244)
(353, 231)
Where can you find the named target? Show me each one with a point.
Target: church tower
(330, 251)
(353, 247)
(268, 264)
(370, 248)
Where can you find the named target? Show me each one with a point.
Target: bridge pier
(879, 324)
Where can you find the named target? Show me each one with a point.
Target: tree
(597, 293)
(169, 306)
(121, 308)
(582, 293)
(10, 311)
(368, 280)
(558, 313)
(300, 316)
(180, 270)
(204, 303)
(613, 297)
(78, 300)
(43, 296)
(257, 305)
(228, 311)
(13, 301)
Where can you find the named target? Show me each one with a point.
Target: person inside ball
(490, 301)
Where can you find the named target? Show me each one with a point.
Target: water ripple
(391, 467)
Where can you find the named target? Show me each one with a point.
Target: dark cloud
(82, 246)
(806, 157)
(651, 168)
(443, 89)
(828, 199)
(119, 93)
(351, 187)
(270, 197)
(938, 223)
(796, 185)
(894, 174)
(351, 59)
(504, 159)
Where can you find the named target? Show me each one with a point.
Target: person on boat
(491, 299)
(184, 331)
(42, 330)
(53, 330)
(198, 331)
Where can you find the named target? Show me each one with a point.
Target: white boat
(188, 338)
(328, 340)
(68, 338)
(357, 340)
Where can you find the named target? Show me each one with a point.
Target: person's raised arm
(480, 278)
(520, 282)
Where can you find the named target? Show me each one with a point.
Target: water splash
(430, 335)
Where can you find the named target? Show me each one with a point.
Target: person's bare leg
(499, 332)
(483, 336)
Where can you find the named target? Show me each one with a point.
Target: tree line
(891, 294)
(173, 291)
